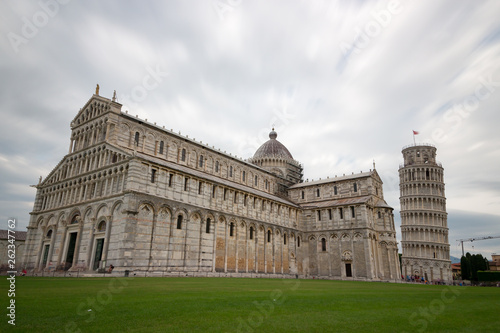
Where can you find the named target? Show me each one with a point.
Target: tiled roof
(381, 203)
(19, 235)
(332, 180)
(336, 202)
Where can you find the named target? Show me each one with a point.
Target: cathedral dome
(272, 148)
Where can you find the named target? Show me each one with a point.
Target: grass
(246, 305)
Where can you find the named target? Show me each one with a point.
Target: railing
(402, 165)
(418, 144)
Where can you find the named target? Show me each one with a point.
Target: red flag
(415, 132)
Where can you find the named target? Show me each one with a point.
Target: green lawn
(246, 305)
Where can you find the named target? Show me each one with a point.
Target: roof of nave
(215, 179)
(346, 201)
(336, 179)
(381, 203)
(19, 235)
(272, 148)
(337, 202)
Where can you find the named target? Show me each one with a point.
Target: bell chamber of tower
(424, 227)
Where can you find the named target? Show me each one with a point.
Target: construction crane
(475, 239)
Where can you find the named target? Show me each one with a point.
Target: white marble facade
(140, 197)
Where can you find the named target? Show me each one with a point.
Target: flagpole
(414, 138)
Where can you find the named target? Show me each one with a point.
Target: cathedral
(146, 200)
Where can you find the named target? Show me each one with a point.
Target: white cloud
(229, 80)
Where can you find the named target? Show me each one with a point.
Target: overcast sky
(344, 83)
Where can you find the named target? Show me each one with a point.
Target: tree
(470, 264)
(465, 266)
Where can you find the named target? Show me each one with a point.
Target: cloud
(263, 63)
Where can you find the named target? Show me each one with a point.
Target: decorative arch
(74, 216)
(347, 255)
(146, 208)
(101, 225)
(101, 210)
(195, 216)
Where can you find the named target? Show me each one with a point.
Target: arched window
(161, 147)
(251, 232)
(216, 166)
(284, 239)
(317, 192)
(298, 241)
(231, 229)
(230, 171)
(179, 222)
(49, 233)
(335, 190)
(102, 226)
(379, 215)
(208, 226)
(243, 176)
(355, 187)
(323, 244)
(201, 161)
(269, 236)
(183, 155)
(256, 180)
(303, 194)
(75, 219)
(136, 139)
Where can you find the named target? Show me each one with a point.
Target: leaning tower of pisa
(424, 227)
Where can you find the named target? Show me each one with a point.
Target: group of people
(414, 278)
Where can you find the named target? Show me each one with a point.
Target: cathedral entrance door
(98, 252)
(348, 270)
(45, 255)
(71, 251)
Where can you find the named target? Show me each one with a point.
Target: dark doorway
(98, 252)
(45, 255)
(348, 270)
(71, 250)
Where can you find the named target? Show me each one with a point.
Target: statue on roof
(97, 89)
